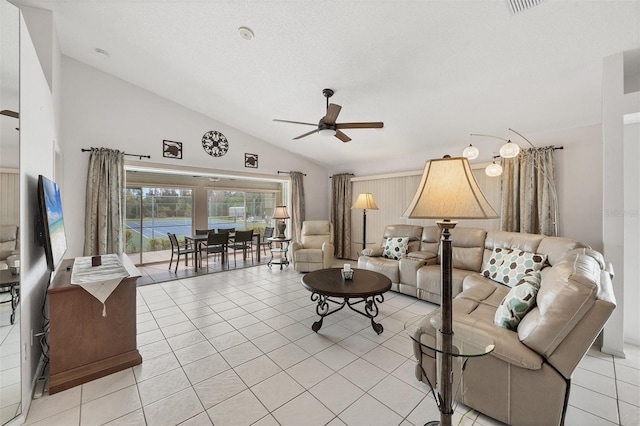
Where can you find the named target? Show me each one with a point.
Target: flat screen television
(52, 234)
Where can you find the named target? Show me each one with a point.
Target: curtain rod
(554, 147)
(350, 174)
(132, 155)
(288, 173)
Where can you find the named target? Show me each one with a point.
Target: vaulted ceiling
(432, 71)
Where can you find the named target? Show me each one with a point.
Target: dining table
(200, 239)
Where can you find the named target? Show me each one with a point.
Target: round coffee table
(328, 286)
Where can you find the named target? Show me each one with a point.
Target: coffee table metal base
(370, 308)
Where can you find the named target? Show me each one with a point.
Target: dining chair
(268, 233)
(176, 248)
(242, 242)
(217, 243)
(204, 231)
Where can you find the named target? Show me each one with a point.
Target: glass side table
(467, 342)
(278, 248)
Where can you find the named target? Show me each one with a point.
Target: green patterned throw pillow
(520, 300)
(396, 247)
(516, 265)
(493, 265)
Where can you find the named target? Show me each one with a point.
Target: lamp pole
(446, 303)
(364, 229)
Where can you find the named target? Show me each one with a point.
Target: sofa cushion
(8, 233)
(412, 231)
(479, 315)
(517, 264)
(396, 248)
(520, 300)
(567, 292)
(557, 247)
(511, 240)
(468, 247)
(315, 233)
(373, 251)
(308, 255)
(387, 267)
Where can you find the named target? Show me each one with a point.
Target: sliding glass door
(152, 213)
(240, 209)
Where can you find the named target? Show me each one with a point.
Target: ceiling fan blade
(332, 114)
(342, 136)
(371, 125)
(10, 113)
(306, 134)
(295, 122)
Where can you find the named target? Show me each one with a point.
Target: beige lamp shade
(448, 190)
(281, 213)
(365, 201)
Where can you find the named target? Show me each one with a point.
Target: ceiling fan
(11, 114)
(328, 126)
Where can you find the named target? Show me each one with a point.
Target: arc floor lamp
(448, 190)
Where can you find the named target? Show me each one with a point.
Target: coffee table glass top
(331, 283)
(468, 341)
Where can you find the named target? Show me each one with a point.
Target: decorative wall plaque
(171, 149)
(215, 143)
(251, 160)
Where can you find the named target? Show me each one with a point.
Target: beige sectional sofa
(9, 244)
(526, 379)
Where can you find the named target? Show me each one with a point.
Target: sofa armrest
(295, 246)
(373, 251)
(327, 254)
(428, 256)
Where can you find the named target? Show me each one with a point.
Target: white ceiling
(432, 71)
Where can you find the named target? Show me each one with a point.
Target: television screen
(54, 238)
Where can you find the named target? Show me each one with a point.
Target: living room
(69, 104)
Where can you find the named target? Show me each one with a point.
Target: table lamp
(364, 202)
(448, 190)
(281, 213)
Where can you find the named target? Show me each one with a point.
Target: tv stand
(84, 345)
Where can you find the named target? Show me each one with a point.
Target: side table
(467, 342)
(278, 248)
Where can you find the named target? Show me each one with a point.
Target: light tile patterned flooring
(236, 348)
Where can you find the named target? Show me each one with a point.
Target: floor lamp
(448, 190)
(365, 202)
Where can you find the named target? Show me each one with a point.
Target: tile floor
(236, 348)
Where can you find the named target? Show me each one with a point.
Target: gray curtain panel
(529, 194)
(103, 230)
(341, 214)
(298, 206)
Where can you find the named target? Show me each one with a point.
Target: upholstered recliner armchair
(315, 251)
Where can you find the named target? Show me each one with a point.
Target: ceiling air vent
(518, 6)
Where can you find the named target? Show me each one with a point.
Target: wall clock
(215, 143)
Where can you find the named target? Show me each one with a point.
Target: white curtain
(298, 205)
(103, 230)
(529, 194)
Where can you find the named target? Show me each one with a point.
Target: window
(240, 209)
(151, 213)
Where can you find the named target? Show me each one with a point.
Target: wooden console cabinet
(84, 345)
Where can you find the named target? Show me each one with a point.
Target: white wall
(37, 138)
(632, 232)
(579, 174)
(99, 110)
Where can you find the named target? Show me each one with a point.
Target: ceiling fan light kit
(327, 125)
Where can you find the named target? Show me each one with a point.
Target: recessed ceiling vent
(518, 6)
